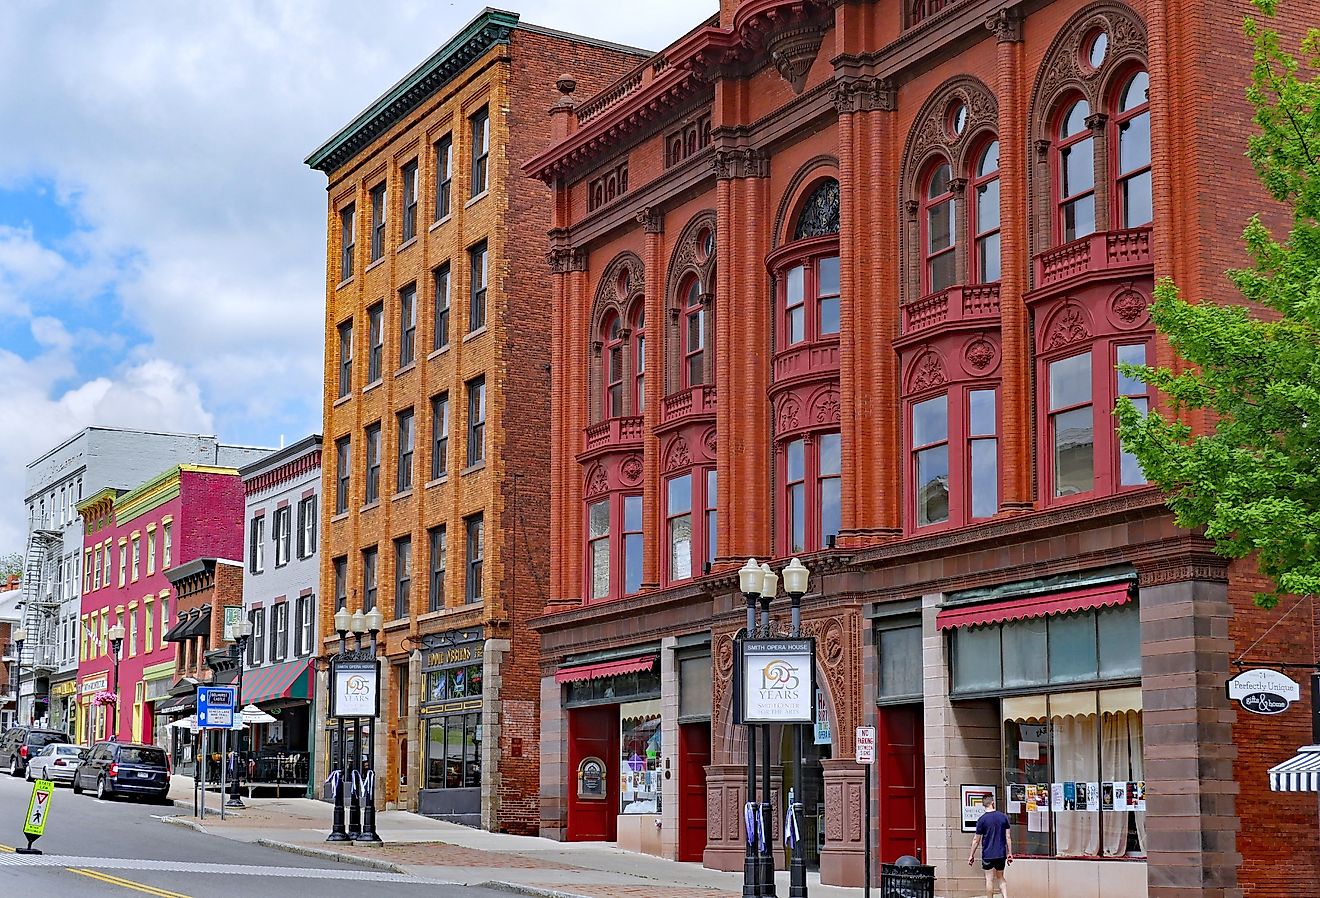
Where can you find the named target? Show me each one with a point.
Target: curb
(342, 857)
(184, 822)
(518, 888)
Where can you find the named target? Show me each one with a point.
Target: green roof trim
(489, 28)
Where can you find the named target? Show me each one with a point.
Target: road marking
(126, 883)
(5, 848)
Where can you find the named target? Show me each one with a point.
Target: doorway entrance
(902, 783)
(813, 788)
(693, 758)
(593, 763)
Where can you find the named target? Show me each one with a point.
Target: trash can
(907, 878)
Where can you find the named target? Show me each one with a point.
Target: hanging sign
(355, 689)
(1263, 691)
(778, 681)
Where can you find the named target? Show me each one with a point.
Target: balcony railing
(693, 402)
(613, 432)
(973, 302)
(1102, 252)
(806, 360)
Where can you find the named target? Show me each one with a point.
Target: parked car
(56, 762)
(21, 743)
(124, 768)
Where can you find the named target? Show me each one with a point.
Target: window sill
(440, 221)
(443, 478)
(344, 283)
(472, 335)
(476, 199)
(398, 623)
(342, 516)
(405, 369)
(373, 385)
(436, 353)
(374, 264)
(406, 244)
(405, 494)
(472, 469)
(370, 506)
(342, 400)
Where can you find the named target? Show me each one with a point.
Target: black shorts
(994, 863)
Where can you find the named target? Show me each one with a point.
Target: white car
(56, 762)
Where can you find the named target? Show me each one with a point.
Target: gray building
(91, 460)
(280, 576)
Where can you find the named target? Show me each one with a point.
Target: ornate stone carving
(834, 812)
(708, 442)
(794, 49)
(854, 812)
(622, 279)
(1064, 67)
(827, 408)
(565, 259)
(652, 220)
(631, 469)
(979, 354)
(597, 482)
(820, 213)
(788, 415)
(1006, 24)
(741, 162)
(1069, 327)
(928, 372)
(715, 814)
(677, 456)
(864, 93)
(1129, 307)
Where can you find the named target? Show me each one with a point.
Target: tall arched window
(613, 373)
(1131, 123)
(694, 335)
(939, 233)
(984, 214)
(1074, 152)
(638, 337)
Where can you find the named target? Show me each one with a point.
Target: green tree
(1252, 478)
(10, 563)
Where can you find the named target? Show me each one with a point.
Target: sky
(161, 241)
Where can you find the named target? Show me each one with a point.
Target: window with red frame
(954, 456)
(712, 515)
(691, 523)
(1129, 469)
(811, 474)
(613, 360)
(984, 214)
(694, 336)
(639, 360)
(939, 241)
(1131, 124)
(810, 293)
(930, 459)
(608, 544)
(1074, 154)
(1072, 424)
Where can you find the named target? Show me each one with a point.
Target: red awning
(1110, 595)
(603, 669)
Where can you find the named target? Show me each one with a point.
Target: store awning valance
(1300, 773)
(190, 623)
(179, 704)
(266, 684)
(1110, 595)
(604, 669)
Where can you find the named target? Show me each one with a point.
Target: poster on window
(823, 735)
(1017, 798)
(973, 803)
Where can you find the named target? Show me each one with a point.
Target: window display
(639, 747)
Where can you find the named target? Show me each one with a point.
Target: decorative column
(1015, 258)
(567, 392)
(653, 221)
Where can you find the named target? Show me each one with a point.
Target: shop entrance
(693, 758)
(813, 785)
(593, 761)
(902, 782)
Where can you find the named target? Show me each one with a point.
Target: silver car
(56, 762)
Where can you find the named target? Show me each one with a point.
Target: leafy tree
(10, 563)
(1252, 477)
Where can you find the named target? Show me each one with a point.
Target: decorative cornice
(489, 28)
(563, 259)
(864, 93)
(741, 162)
(651, 219)
(1006, 25)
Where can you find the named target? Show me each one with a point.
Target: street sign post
(38, 812)
(866, 757)
(215, 707)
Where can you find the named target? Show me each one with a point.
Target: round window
(1096, 47)
(957, 118)
(705, 244)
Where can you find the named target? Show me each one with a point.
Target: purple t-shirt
(993, 830)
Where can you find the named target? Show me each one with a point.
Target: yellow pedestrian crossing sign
(38, 810)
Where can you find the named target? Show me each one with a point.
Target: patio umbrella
(253, 714)
(190, 724)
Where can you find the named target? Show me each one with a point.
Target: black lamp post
(769, 586)
(116, 635)
(20, 637)
(795, 584)
(242, 633)
(339, 778)
(358, 624)
(750, 580)
(374, 619)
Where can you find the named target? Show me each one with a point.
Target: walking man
(996, 848)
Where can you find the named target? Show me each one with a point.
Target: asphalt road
(119, 849)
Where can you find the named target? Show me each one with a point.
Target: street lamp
(750, 581)
(116, 635)
(769, 586)
(242, 633)
(20, 637)
(336, 779)
(795, 584)
(358, 624)
(373, 622)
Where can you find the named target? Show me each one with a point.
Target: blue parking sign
(215, 707)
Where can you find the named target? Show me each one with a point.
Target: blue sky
(161, 242)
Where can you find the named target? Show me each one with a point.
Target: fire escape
(41, 608)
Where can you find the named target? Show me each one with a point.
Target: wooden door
(693, 757)
(593, 733)
(902, 783)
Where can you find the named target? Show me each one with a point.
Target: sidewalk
(446, 851)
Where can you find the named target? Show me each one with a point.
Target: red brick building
(850, 281)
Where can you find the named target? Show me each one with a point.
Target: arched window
(1074, 149)
(694, 335)
(639, 360)
(1131, 124)
(939, 234)
(984, 214)
(613, 373)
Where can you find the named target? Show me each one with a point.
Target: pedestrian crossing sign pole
(38, 812)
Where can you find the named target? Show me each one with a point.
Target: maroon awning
(1110, 595)
(603, 669)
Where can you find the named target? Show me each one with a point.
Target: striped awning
(603, 669)
(1300, 773)
(275, 681)
(1109, 595)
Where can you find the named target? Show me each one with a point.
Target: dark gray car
(124, 768)
(20, 744)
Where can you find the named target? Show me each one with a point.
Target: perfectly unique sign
(1263, 691)
(355, 689)
(866, 745)
(38, 809)
(778, 681)
(215, 707)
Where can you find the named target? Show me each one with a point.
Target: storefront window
(639, 767)
(606, 690)
(451, 710)
(900, 662)
(453, 751)
(1074, 774)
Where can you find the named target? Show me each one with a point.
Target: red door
(693, 757)
(593, 733)
(902, 783)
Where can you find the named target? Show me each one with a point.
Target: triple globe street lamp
(361, 783)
